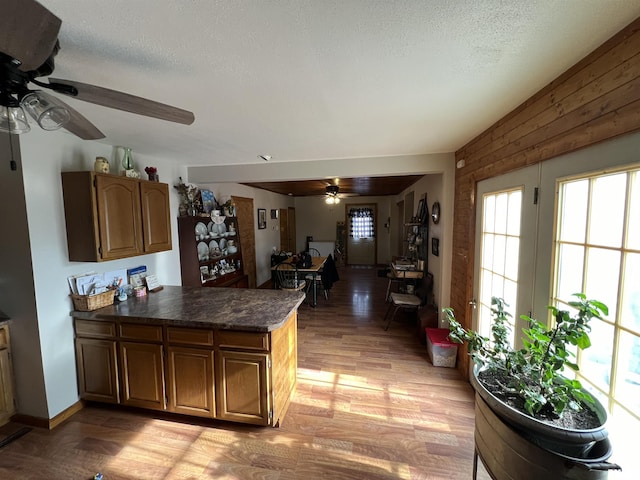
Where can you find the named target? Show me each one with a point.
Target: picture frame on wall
(435, 247)
(274, 213)
(420, 210)
(424, 213)
(262, 218)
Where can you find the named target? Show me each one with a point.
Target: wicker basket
(87, 303)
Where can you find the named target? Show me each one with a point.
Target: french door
(506, 225)
(583, 235)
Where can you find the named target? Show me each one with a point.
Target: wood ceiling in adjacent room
(363, 186)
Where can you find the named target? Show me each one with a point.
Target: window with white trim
(597, 251)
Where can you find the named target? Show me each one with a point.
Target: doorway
(361, 239)
(244, 212)
(288, 230)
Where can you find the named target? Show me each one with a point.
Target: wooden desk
(314, 270)
(408, 274)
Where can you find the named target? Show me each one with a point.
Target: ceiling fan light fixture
(12, 116)
(331, 192)
(46, 110)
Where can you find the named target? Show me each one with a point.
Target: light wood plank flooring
(368, 405)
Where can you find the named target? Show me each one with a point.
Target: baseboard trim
(49, 423)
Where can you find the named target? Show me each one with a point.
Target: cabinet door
(190, 381)
(97, 370)
(118, 202)
(242, 389)
(142, 375)
(7, 407)
(156, 225)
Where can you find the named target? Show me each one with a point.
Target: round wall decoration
(435, 212)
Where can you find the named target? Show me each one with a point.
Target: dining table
(314, 270)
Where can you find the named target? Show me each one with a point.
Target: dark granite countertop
(255, 310)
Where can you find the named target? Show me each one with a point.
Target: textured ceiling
(322, 79)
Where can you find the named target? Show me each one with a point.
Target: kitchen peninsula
(229, 354)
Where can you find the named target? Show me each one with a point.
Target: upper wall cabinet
(110, 217)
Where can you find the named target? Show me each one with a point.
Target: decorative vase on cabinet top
(127, 161)
(101, 165)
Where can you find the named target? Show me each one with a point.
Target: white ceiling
(322, 79)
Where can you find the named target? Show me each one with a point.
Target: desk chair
(405, 301)
(287, 276)
(314, 252)
(393, 280)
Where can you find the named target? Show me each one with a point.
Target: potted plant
(527, 388)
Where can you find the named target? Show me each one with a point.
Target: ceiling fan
(331, 193)
(28, 46)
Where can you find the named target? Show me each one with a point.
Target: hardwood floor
(368, 405)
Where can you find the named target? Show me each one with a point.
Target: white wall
(317, 219)
(44, 156)
(439, 187)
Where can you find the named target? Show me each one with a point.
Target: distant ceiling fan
(331, 193)
(28, 46)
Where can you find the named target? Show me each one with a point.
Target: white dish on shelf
(213, 247)
(222, 228)
(217, 219)
(203, 251)
(223, 244)
(212, 228)
(201, 229)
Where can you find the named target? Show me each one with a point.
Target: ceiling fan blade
(28, 32)
(124, 101)
(78, 123)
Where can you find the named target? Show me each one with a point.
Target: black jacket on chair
(329, 274)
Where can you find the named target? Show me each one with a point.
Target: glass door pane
(506, 219)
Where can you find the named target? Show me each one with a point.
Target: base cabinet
(97, 371)
(190, 381)
(242, 388)
(225, 374)
(142, 375)
(7, 403)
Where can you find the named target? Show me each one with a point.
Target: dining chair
(310, 278)
(405, 301)
(288, 277)
(393, 281)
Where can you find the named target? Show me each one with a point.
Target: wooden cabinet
(141, 359)
(243, 363)
(246, 377)
(206, 256)
(156, 220)
(97, 371)
(242, 387)
(109, 217)
(190, 373)
(7, 402)
(96, 361)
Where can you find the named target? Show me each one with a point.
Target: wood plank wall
(595, 100)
